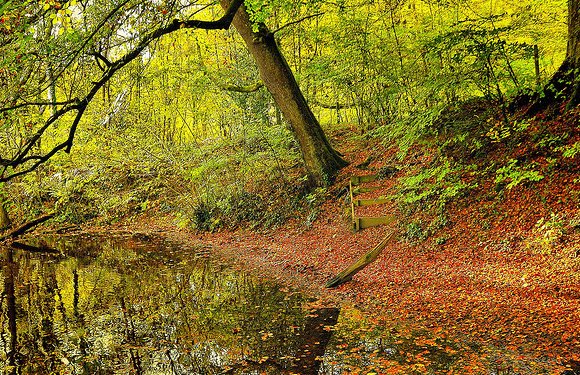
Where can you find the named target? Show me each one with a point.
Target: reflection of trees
(45, 307)
(134, 309)
(31, 300)
(10, 344)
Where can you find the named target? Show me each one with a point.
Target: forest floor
(503, 269)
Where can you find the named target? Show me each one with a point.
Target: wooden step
(370, 202)
(361, 190)
(359, 223)
(357, 180)
(368, 222)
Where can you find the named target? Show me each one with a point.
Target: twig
(297, 21)
(38, 104)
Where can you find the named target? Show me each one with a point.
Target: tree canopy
(134, 82)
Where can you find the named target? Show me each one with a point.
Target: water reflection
(127, 306)
(122, 306)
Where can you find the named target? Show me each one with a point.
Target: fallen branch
(333, 106)
(243, 89)
(26, 227)
(361, 263)
(43, 248)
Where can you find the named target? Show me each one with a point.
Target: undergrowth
(470, 147)
(456, 153)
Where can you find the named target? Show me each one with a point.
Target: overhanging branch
(81, 105)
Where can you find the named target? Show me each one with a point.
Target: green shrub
(513, 175)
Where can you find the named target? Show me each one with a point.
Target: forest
(435, 141)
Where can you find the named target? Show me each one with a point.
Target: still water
(126, 305)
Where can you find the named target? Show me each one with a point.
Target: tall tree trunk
(566, 81)
(4, 219)
(573, 50)
(320, 159)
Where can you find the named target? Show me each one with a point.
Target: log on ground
(361, 263)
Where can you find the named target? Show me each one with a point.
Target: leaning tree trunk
(320, 159)
(573, 50)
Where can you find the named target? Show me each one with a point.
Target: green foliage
(570, 151)
(81, 194)
(503, 132)
(259, 11)
(546, 234)
(550, 141)
(441, 240)
(512, 175)
(482, 54)
(415, 232)
(433, 186)
(313, 201)
(407, 131)
(402, 76)
(244, 208)
(165, 135)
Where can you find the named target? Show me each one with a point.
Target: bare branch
(99, 57)
(26, 227)
(20, 157)
(36, 104)
(297, 21)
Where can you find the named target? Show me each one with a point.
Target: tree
(321, 160)
(573, 50)
(4, 219)
(566, 80)
(68, 55)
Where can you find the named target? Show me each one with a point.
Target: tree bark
(573, 50)
(565, 82)
(320, 159)
(4, 218)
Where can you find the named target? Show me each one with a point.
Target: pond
(128, 305)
